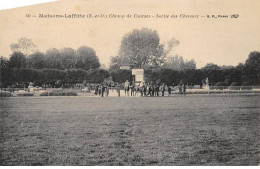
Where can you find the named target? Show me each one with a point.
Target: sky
(223, 41)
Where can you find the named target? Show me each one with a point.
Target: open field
(178, 130)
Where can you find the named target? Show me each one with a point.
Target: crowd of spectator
(135, 89)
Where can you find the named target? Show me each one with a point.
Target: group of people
(151, 89)
(103, 89)
(137, 89)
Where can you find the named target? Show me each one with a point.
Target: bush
(59, 93)
(25, 94)
(5, 94)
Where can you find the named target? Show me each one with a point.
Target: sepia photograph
(130, 83)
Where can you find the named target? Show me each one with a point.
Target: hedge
(25, 94)
(59, 93)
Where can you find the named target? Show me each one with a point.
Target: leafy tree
(233, 75)
(224, 67)
(53, 59)
(167, 49)
(36, 61)
(213, 72)
(17, 60)
(68, 58)
(252, 68)
(178, 63)
(3, 63)
(175, 63)
(114, 63)
(190, 65)
(4, 72)
(211, 66)
(24, 45)
(86, 58)
(140, 47)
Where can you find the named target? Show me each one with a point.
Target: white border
(9, 4)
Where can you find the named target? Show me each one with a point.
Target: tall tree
(68, 58)
(214, 73)
(36, 60)
(190, 65)
(4, 71)
(140, 47)
(252, 67)
(53, 59)
(86, 58)
(17, 60)
(178, 63)
(114, 63)
(24, 45)
(168, 47)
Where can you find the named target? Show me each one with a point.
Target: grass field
(178, 130)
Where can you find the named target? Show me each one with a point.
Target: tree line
(67, 58)
(139, 49)
(54, 68)
(244, 74)
(142, 49)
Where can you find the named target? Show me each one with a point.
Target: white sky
(223, 41)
